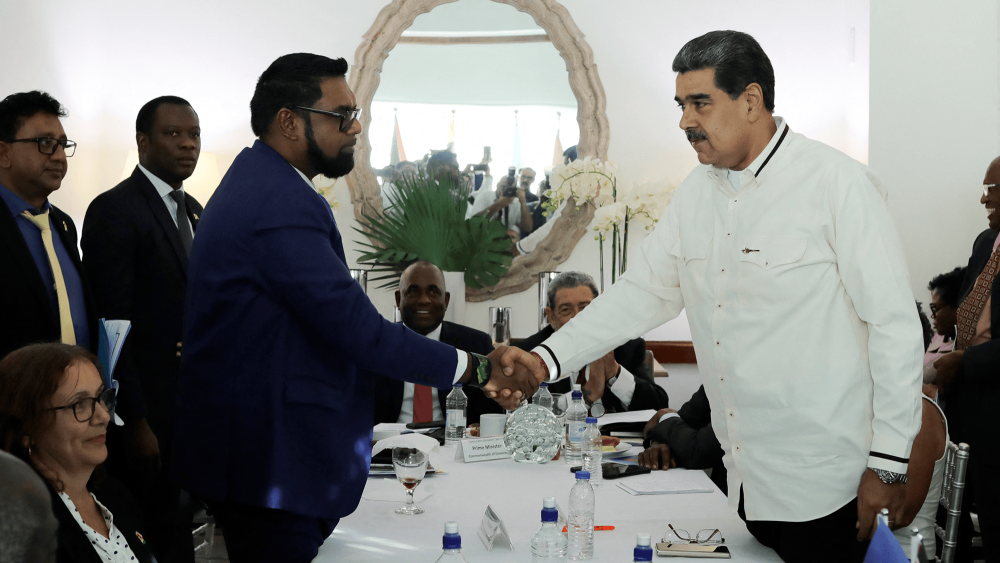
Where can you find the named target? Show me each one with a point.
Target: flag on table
(884, 547)
(397, 154)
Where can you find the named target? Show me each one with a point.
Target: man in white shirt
(512, 210)
(784, 255)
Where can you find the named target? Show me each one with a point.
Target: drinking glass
(410, 465)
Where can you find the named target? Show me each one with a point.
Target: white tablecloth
(515, 490)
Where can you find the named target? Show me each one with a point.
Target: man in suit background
(136, 241)
(275, 402)
(422, 299)
(42, 284)
(617, 382)
(971, 374)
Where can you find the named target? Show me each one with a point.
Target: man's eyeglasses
(987, 188)
(707, 536)
(346, 119)
(84, 409)
(48, 145)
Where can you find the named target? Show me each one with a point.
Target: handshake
(515, 376)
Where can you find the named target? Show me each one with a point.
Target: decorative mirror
(584, 82)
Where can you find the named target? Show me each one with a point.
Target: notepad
(674, 482)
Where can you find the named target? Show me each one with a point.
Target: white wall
(934, 124)
(104, 62)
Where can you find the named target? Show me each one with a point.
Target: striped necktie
(972, 308)
(68, 335)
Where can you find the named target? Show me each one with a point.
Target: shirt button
(728, 234)
(723, 270)
(730, 415)
(720, 305)
(736, 201)
(717, 343)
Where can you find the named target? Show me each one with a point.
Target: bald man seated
(422, 299)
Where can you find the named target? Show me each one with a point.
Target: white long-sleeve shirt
(802, 318)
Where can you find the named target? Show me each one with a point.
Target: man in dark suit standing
(422, 299)
(971, 374)
(136, 240)
(617, 382)
(274, 419)
(43, 290)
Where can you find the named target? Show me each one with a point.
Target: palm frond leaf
(425, 220)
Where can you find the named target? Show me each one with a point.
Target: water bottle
(576, 415)
(643, 550)
(580, 522)
(549, 543)
(593, 451)
(542, 397)
(451, 543)
(456, 405)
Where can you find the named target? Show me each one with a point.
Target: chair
(205, 525)
(956, 463)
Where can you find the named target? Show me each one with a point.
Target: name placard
(481, 449)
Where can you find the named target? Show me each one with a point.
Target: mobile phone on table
(422, 425)
(612, 470)
(619, 470)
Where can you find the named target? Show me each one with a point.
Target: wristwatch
(888, 477)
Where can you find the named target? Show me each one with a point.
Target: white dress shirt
(111, 549)
(164, 190)
(802, 318)
(486, 196)
(406, 410)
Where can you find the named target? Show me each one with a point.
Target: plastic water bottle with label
(549, 543)
(576, 416)
(593, 451)
(456, 405)
(543, 397)
(580, 522)
(452, 545)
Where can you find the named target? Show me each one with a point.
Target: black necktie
(183, 225)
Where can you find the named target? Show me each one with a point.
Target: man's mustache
(695, 135)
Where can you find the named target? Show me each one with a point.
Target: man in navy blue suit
(275, 402)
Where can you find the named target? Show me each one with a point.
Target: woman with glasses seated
(54, 414)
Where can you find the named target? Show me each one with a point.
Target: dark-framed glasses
(706, 536)
(48, 145)
(84, 409)
(987, 188)
(346, 119)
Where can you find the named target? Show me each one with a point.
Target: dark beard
(331, 167)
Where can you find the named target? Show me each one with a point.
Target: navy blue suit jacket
(276, 392)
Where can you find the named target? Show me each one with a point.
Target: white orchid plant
(590, 180)
(324, 187)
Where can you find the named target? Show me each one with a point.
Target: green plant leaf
(425, 220)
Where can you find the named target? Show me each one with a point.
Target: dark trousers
(832, 538)
(167, 510)
(254, 534)
(985, 468)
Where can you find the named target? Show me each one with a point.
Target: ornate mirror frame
(551, 16)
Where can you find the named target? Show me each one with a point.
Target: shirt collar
(436, 333)
(764, 155)
(16, 205)
(306, 179)
(162, 187)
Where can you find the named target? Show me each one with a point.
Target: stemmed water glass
(410, 465)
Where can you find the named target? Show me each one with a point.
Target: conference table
(374, 532)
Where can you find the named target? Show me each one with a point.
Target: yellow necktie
(65, 316)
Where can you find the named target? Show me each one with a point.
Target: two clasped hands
(516, 375)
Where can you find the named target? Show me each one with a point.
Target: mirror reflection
(474, 92)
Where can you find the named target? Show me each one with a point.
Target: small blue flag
(884, 547)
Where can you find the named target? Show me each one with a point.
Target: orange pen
(598, 528)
